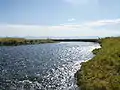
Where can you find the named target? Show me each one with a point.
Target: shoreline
(22, 41)
(102, 72)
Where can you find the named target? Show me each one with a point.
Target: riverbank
(103, 71)
(22, 41)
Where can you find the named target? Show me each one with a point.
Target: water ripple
(43, 67)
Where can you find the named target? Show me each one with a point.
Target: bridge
(76, 40)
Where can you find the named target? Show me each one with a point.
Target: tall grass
(103, 71)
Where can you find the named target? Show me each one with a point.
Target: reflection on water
(42, 67)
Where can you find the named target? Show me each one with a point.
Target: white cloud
(103, 22)
(77, 1)
(72, 19)
(81, 2)
(93, 28)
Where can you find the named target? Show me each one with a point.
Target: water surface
(44, 66)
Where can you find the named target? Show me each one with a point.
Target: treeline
(22, 41)
(103, 71)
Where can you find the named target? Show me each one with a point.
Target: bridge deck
(78, 40)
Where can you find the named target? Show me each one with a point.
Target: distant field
(22, 41)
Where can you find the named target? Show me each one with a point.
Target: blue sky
(62, 18)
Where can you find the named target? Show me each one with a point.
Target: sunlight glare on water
(43, 67)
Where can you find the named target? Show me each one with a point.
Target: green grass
(103, 71)
(22, 41)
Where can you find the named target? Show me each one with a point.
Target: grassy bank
(103, 71)
(22, 41)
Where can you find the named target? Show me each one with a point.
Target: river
(43, 67)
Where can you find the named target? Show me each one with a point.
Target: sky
(59, 18)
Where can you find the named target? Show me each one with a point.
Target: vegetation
(103, 71)
(22, 41)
